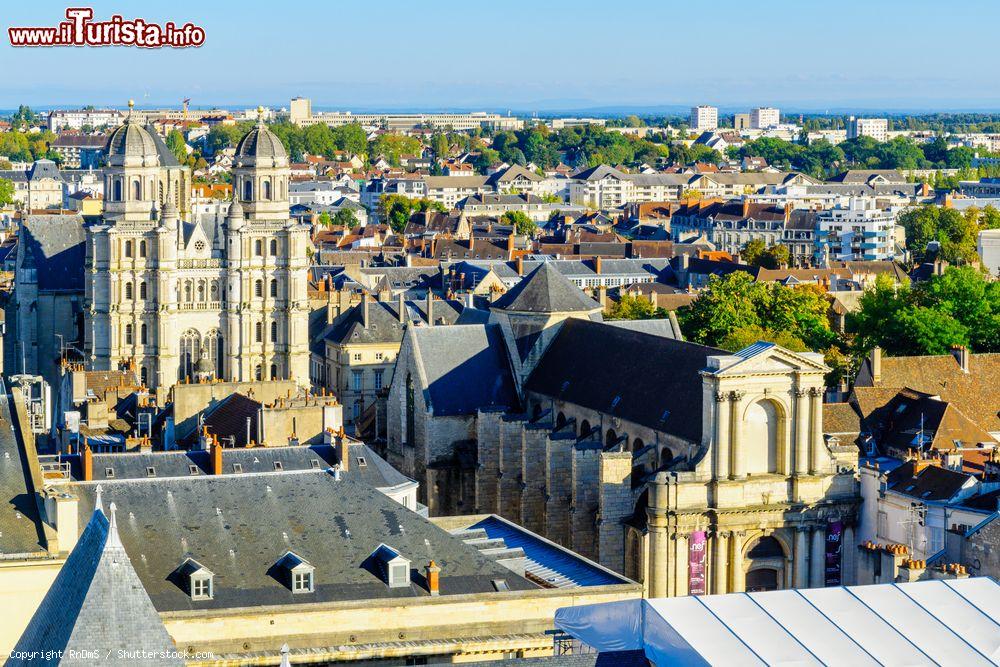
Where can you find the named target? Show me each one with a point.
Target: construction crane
(185, 107)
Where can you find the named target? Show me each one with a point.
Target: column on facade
(801, 571)
(802, 417)
(736, 562)
(679, 573)
(848, 553)
(656, 518)
(818, 445)
(817, 559)
(738, 460)
(722, 430)
(719, 574)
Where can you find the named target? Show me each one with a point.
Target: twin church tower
(185, 301)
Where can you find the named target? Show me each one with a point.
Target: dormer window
(298, 573)
(387, 563)
(197, 579)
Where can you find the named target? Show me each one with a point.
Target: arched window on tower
(128, 334)
(274, 247)
(137, 190)
(266, 189)
(144, 376)
(274, 371)
(128, 291)
(258, 288)
(259, 332)
(258, 248)
(247, 190)
(142, 289)
(188, 291)
(190, 352)
(274, 288)
(142, 248)
(117, 194)
(274, 332)
(258, 372)
(128, 248)
(143, 338)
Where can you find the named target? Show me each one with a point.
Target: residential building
(79, 151)
(38, 187)
(876, 128)
(988, 246)
(300, 112)
(762, 118)
(449, 190)
(858, 231)
(78, 119)
(703, 118)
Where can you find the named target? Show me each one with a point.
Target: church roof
(258, 143)
(131, 140)
(56, 244)
(465, 367)
(167, 157)
(546, 290)
(97, 602)
(651, 380)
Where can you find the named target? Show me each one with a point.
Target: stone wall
(533, 465)
(617, 502)
(586, 459)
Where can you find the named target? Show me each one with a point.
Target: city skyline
(460, 57)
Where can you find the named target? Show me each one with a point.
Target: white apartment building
(989, 250)
(704, 118)
(764, 117)
(76, 119)
(876, 128)
(859, 231)
(300, 113)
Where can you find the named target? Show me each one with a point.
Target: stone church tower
(184, 301)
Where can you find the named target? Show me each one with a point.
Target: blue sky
(541, 56)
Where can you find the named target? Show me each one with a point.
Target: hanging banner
(834, 535)
(697, 544)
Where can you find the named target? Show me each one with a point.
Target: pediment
(767, 359)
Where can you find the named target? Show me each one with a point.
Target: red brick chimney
(746, 207)
(520, 266)
(215, 457)
(87, 463)
(433, 574)
(597, 265)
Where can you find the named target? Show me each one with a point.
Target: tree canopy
(523, 225)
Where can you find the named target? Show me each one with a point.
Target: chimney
(746, 207)
(343, 453)
(61, 509)
(597, 265)
(402, 308)
(876, 361)
(215, 457)
(961, 354)
(788, 211)
(433, 575)
(87, 463)
(364, 309)
(430, 308)
(520, 266)
(510, 244)
(602, 296)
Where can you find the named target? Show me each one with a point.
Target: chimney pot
(215, 457)
(87, 463)
(876, 361)
(343, 453)
(433, 573)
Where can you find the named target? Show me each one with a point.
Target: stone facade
(186, 302)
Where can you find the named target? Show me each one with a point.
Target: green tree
(346, 217)
(752, 251)
(395, 210)
(324, 219)
(392, 146)
(523, 225)
(6, 192)
(630, 307)
(177, 145)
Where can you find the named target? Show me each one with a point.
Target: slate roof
(383, 324)
(376, 473)
(546, 290)
(131, 140)
(57, 244)
(167, 157)
(20, 526)
(239, 526)
(258, 143)
(465, 367)
(656, 327)
(651, 380)
(976, 393)
(931, 483)
(44, 169)
(636, 658)
(96, 603)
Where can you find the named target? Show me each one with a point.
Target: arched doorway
(610, 437)
(560, 421)
(764, 565)
(761, 441)
(584, 428)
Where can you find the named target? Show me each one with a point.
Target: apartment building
(764, 117)
(876, 128)
(77, 119)
(704, 118)
(858, 231)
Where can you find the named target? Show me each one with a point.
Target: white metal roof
(936, 622)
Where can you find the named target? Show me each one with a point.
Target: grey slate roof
(167, 157)
(239, 526)
(651, 380)
(97, 603)
(546, 290)
(57, 245)
(466, 368)
(43, 169)
(20, 526)
(131, 140)
(377, 472)
(260, 142)
(383, 324)
(656, 327)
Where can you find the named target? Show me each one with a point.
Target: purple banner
(697, 544)
(834, 535)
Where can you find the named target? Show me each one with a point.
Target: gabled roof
(928, 483)
(97, 601)
(546, 290)
(57, 246)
